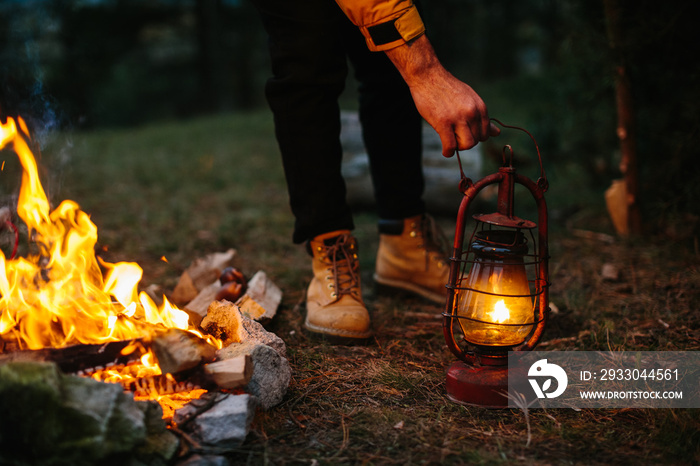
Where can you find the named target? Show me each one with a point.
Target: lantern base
(485, 386)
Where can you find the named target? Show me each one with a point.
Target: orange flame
(57, 295)
(500, 312)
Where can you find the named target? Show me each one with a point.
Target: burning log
(70, 302)
(157, 385)
(178, 350)
(77, 358)
(226, 374)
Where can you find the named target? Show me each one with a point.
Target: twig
(294, 418)
(585, 234)
(556, 341)
(191, 443)
(208, 402)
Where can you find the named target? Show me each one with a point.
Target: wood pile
(249, 371)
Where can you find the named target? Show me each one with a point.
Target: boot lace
(343, 266)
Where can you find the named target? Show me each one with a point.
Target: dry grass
(385, 404)
(185, 189)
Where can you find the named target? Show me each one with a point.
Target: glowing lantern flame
(57, 295)
(500, 313)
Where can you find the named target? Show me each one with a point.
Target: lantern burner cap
(506, 242)
(501, 220)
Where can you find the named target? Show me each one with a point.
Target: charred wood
(76, 358)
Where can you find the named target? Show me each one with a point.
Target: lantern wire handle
(542, 181)
(464, 181)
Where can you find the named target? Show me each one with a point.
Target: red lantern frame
(480, 376)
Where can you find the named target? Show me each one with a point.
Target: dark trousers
(310, 43)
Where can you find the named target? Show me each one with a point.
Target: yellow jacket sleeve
(384, 23)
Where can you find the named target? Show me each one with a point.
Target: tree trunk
(622, 197)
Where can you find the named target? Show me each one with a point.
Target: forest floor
(182, 190)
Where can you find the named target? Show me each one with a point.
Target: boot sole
(334, 338)
(411, 288)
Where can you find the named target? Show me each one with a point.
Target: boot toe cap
(342, 321)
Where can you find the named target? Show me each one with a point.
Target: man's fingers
(486, 130)
(483, 123)
(466, 137)
(449, 143)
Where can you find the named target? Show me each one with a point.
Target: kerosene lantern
(498, 285)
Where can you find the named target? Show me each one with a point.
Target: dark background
(75, 65)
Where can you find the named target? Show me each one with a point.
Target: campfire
(63, 304)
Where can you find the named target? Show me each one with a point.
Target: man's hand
(450, 106)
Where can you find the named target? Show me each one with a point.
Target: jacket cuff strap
(395, 32)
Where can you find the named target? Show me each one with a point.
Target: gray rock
(51, 418)
(253, 331)
(271, 372)
(161, 445)
(224, 423)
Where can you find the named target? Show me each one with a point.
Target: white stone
(225, 424)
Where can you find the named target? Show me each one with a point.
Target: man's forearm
(450, 106)
(415, 60)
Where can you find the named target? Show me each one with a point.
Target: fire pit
(112, 368)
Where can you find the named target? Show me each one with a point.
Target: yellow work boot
(334, 306)
(411, 257)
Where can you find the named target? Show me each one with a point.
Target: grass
(179, 190)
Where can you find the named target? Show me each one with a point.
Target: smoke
(25, 33)
(42, 105)
(27, 46)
